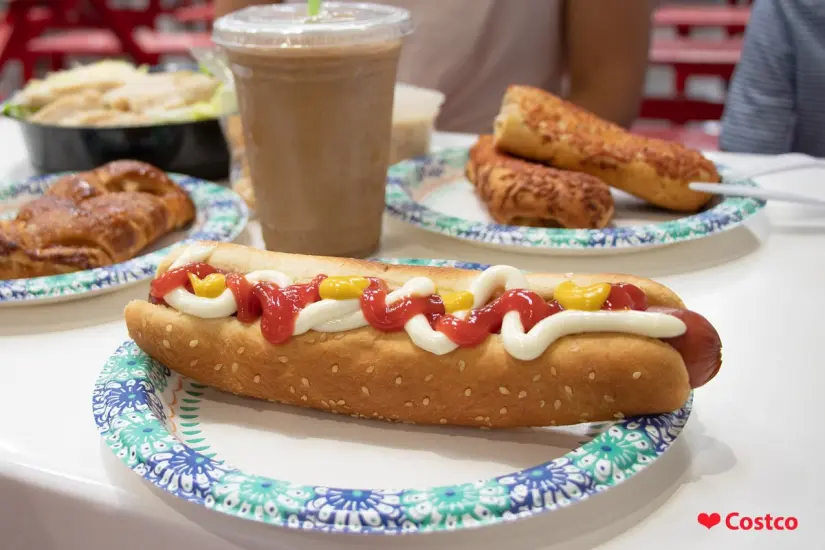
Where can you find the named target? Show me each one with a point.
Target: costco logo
(737, 522)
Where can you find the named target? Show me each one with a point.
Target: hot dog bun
(372, 374)
(536, 125)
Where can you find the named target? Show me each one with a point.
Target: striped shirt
(776, 101)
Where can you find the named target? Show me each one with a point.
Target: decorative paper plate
(221, 215)
(257, 460)
(432, 193)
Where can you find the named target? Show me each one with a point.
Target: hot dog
(493, 349)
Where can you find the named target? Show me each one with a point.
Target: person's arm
(760, 108)
(222, 7)
(607, 46)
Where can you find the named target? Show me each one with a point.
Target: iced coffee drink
(316, 101)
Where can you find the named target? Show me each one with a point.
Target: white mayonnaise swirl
(343, 315)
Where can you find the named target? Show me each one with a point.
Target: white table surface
(752, 445)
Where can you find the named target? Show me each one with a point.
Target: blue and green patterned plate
(257, 461)
(432, 193)
(221, 215)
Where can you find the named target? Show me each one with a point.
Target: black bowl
(195, 148)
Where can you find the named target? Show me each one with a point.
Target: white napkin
(778, 163)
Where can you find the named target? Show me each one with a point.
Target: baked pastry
(92, 219)
(518, 192)
(536, 125)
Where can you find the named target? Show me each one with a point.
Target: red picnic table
(87, 27)
(683, 18)
(732, 17)
(196, 13)
(150, 44)
(690, 56)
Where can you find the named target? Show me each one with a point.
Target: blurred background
(695, 48)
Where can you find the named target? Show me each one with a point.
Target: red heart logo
(709, 520)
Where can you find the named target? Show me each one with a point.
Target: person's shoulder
(795, 16)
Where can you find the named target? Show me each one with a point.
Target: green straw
(313, 7)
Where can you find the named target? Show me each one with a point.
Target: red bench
(87, 27)
(102, 42)
(688, 57)
(199, 13)
(672, 51)
(696, 57)
(733, 19)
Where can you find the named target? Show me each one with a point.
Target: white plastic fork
(783, 163)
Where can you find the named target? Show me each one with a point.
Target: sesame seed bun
(372, 374)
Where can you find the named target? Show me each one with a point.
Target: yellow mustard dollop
(582, 298)
(343, 287)
(457, 301)
(210, 286)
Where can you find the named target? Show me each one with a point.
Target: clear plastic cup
(316, 103)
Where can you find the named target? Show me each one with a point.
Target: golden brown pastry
(536, 125)
(518, 192)
(92, 219)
